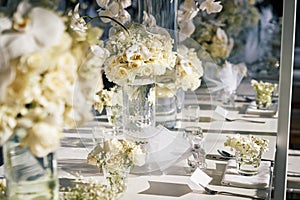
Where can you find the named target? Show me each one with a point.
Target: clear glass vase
(247, 165)
(165, 14)
(166, 109)
(29, 177)
(138, 107)
(116, 178)
(114, 116)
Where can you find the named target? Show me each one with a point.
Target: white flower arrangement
(48, 75)
(264, 92)
(189, 69)
(117, 154)
(114, 159)
(138, 53)
(108, 97)
(249, 146)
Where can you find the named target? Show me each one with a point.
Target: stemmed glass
(195, 136)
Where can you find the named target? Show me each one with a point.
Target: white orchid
(41, 28)
(211, 6)
(189, 69)
(77, 23)
(102, 3)
(115, 10)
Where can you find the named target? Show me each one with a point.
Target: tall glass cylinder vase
(165, 14)
(27, 176)
(139, 107)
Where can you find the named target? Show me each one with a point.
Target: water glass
(192, 113)
(99, 135)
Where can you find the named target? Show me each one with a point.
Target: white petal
(23, 8)
(125, 3)
(211, 6)
(47, 27)
(7, 74)
(113, 9)
(5, 23)
(102, 3)
(17, 44)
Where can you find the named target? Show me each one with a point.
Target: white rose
(25, 88)
(43, 139)
(66, 64)
(38, 62)
(56, 86)
(115, 145)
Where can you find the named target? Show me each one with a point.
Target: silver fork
(214, 192)
(246, 120)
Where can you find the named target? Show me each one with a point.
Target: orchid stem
(108, 17)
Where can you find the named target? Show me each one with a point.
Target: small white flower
(78, 24)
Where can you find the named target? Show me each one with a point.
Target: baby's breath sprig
(2, 189)
(88, 191)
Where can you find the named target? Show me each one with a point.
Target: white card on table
(200, 178)
(221, 111)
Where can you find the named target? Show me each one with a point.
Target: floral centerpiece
(49, 66)
(138, 53)
(263, 93)
(249, 150)
(39, 85)
(115, 158)
(137, 56)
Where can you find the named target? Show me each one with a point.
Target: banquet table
(174, 182)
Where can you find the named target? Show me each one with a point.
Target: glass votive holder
(100, 133)
(247, 165)
(192, 113)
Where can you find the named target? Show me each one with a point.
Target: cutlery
(229, 155)
(293, 174)
(214, 192)
(246, 120)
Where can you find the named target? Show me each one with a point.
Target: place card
(221, 111)
(200, 178)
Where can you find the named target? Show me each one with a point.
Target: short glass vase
(247, 165)
(116, 178)
(29, 177)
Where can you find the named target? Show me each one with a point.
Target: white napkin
(252, 109)
(260, 180)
